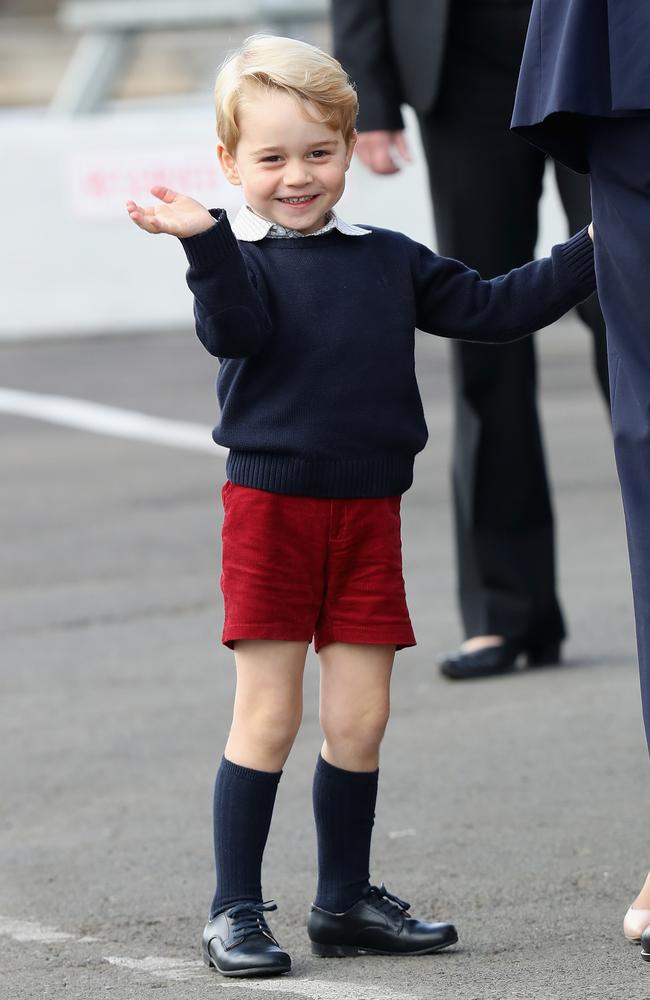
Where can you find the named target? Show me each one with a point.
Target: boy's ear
(227, 164)
(350, 148)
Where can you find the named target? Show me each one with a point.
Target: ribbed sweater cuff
(578, 252)
(213, 244)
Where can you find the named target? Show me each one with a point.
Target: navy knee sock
(344, 810)
(243, 806)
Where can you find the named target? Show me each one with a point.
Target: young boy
(313, 322)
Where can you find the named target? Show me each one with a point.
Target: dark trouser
(619, 162)
(486, 185)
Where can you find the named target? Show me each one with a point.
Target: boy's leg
(354, 708)
(266, 718)
(273, 554)
(272, 559)
(350, 916)
(268, 707)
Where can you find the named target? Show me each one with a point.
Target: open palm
(176, 214)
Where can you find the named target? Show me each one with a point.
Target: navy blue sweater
(315, 336)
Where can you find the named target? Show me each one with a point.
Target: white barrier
(71, 261)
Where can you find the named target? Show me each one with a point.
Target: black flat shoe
(238, 942)
(645, 945)
(493, 660)
(377, 925)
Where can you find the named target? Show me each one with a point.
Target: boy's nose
(296, 174)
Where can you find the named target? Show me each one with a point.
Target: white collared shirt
(250, 227)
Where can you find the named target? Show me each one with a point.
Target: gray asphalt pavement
(518, 807)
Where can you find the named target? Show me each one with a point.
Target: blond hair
(314, 78)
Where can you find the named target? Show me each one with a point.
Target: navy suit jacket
(393, 50)
(582, 57)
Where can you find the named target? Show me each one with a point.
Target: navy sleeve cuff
(578, 254)
(213, 244)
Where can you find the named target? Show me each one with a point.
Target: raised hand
(177, 214)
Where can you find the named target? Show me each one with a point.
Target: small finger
(163, 193)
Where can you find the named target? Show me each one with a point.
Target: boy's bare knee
(273, 730)
(361, 732)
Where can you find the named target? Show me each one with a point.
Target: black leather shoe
(238, 942)
(377, 925)
(645, 945)
(493, 660)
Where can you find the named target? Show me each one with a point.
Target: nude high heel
(634, 924)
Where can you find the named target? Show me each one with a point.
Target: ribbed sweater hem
(376, 476)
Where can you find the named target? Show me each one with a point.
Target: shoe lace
(386, 901)
(248, 918)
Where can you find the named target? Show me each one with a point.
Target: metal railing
(108, 28)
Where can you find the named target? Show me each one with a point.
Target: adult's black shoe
(377, 925)
(492, 660)
(645, 945)
(238, 942)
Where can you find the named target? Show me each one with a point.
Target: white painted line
(99, 419)
(162, 968)
(398, 834)
(314, 989)
(27, 930)
(323, 989)
(178, 970)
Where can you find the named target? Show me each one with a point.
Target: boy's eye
(319, 153)
(274, 158)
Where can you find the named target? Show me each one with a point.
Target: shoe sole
(478, 674)
(260, 972)
(645, 955)
(351, 951)
(544, 656)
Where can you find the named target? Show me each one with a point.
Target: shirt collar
(250, 227)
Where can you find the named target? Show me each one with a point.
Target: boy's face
(292, 170)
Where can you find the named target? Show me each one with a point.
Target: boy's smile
(292, 169)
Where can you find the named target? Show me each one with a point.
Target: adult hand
(178, 215)
(381, 151)
(591, 230)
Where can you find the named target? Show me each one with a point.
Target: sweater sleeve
(454, 301)
(229, 309)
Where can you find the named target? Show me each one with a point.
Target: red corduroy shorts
(296, 568)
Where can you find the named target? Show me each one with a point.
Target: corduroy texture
(243, 806)
(344, 810)
(297, 568)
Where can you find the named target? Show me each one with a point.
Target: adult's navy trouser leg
(485, 185)
(619, 161)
